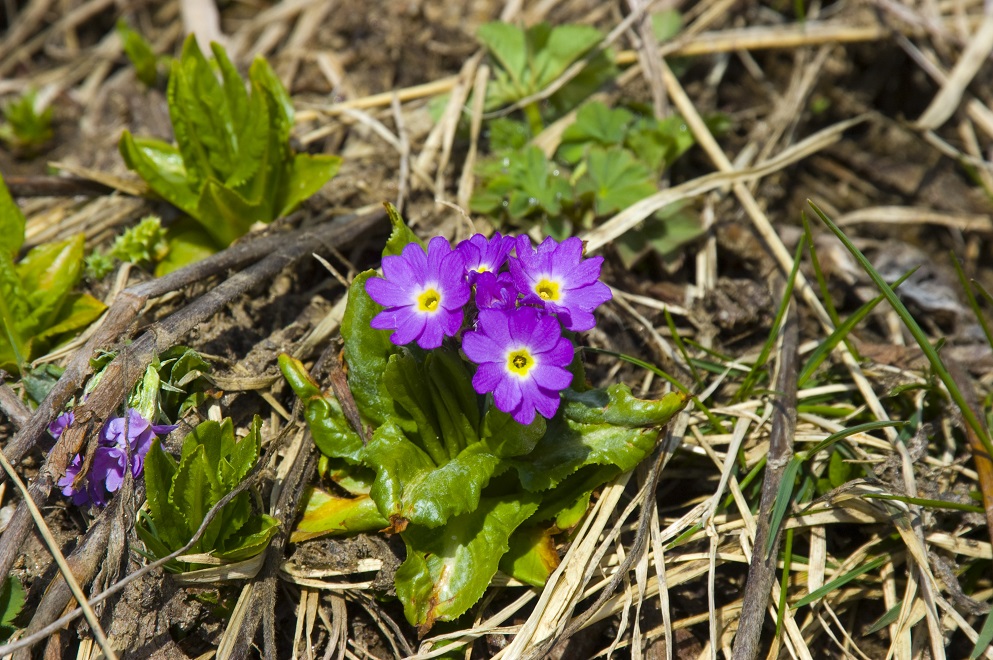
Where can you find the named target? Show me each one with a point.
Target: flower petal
(389, 294)
(487, 377)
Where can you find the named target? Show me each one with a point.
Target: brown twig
(762, 570)
(55, 186)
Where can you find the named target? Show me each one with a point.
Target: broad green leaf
(14, 344)
(397, 462)
(446, 573)
(507, 134)
(505, 437)
(595, 124)
(455, 401)
(401, 236)
(617, 406)
(11, 223)
(50, 271)
(162, 167)
(665, 233)
(568, 501)
(532, 556)
(182, 371)
(327, 514)
(615, 179)
(252, 539)
(149, 534)
(188, 243)
(353, 479)
(160, 469)
(839, 472)
(366, 353)
(281, 107)
(229, 524)
(666, 24)
(244, 454)
(332, 433)
(405, 380)
(306, 175)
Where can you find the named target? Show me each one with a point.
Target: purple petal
(560, 355)
(495, 323)
(481, 348)
(552, 378)
(568, 253)
(400, 270)
(438, 249)
(432, 335)
(522, 323)
(575, 319)
(522, 414)
(589, 297)
(586, 272)
(507, 394)
(388, 294)
(61, 423)
(544, 400)
(409, 327)
(487, 377)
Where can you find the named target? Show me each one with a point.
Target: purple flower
(423, 294)
(522, 357)
(111, 457)
(557, 277)
(61, 423)
(485, 256)
(495, 291)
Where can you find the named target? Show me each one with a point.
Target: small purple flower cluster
(111, 459)
(517, 339)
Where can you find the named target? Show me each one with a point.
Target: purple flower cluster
(523, 301)
(111, 459)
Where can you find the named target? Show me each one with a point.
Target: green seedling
(26, 128)
(12, 597)
(528, 61)
(232, 165)
(144, 244)
(181, 493)
(139, 51)
(38, 308)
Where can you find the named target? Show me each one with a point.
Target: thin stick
(762, 570)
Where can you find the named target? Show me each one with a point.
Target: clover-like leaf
(615, 180)
(446, 573)
(596, 124)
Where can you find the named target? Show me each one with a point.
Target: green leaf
(332, 433)
(401, 236)
(505, 437)
(616, 405)
(140, 52)
(839, 472)
(252, 539)
(15, 345)
(12, 598)
(397, 461)
(144, 243)
(226, 215)
(191, 489)
(366, 353)
(531, 557)
(508, 44)
(145, 396)
(415, 413)
(306, 175)
(327, 514)
(12, 223)
(615, 180)
(160, 469)
(565, 44)
(162, 167)
(595, 124)
(666, 24)
(188, 243)
(665, 233)
(508, 134)
(446, 573)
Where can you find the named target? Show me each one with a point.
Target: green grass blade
(844, 433)
(841, 581)
(681, 347)
(920, 501)
(784, 496)
(784, 582)
(890, 617)
(753, 375)
(985, 638)
(929, 352)
(841, 333)
(971, 298)
(815, 262)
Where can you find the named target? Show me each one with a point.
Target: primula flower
(423, 294)
(495, 291)
(484, 255)
(557, 277)
(111, 458)
(522, 357)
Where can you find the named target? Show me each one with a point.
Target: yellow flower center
(547, 289)
(428, 301)
(520, 362)
(482, 269)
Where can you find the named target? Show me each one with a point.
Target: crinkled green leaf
(615, 179)
(78, 310)
(144, 243)
(162, 167)
(226, 215)
(252, 539)
(12, 598)
(12, 223)
(243, 455)
(50, 271)
(446, 573)
(531, 557)
(505, 437)
(15, 345)
(455, 399)
(171, 524)
(596, 124)
(39, 381)
(616, 405)
(184, 383)
(191, 489)
(328, 514)
(281, 107)
(366, 353)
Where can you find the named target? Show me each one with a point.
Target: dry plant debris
(828, 493)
